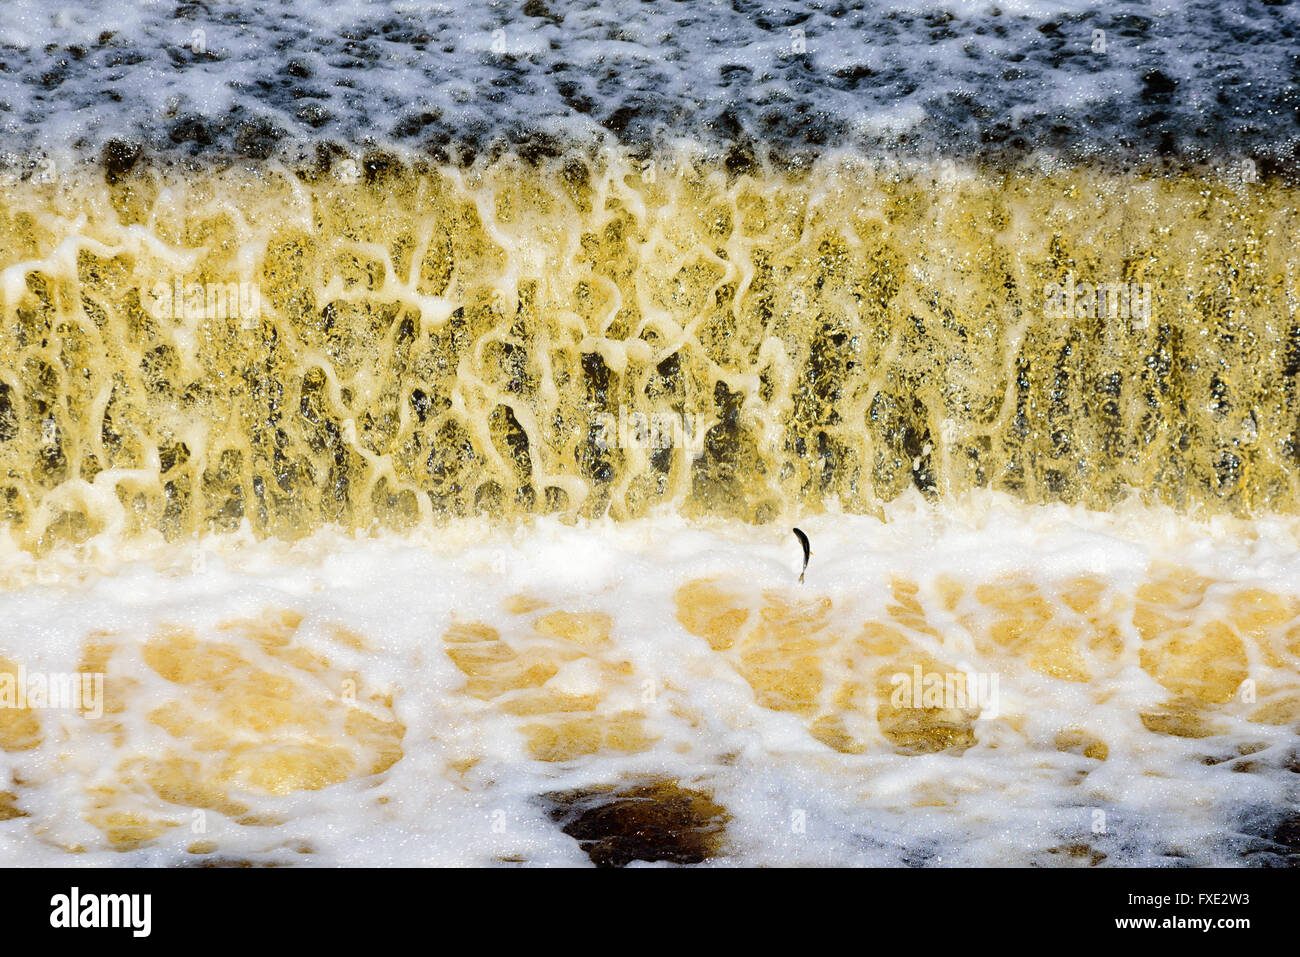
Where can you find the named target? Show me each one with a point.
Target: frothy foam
(403, 412)
(1146, 692)
(1126, 81)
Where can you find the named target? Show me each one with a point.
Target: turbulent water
(1179, 81)
(404, 408)
(588, 340)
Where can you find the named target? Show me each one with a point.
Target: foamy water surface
(466, 788)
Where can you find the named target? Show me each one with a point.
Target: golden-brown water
(218, 361)
(419, 343)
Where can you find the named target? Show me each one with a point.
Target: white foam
(1008, 798)
(201, 77)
